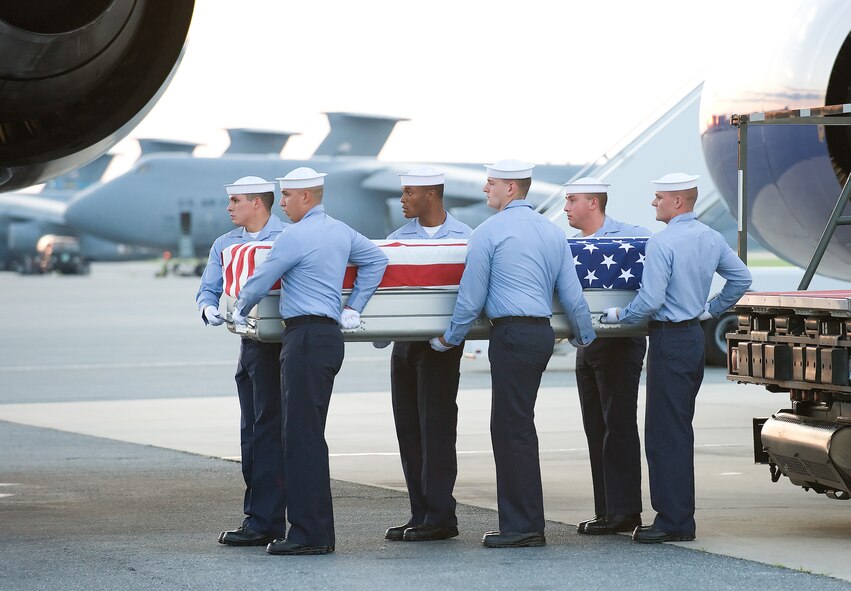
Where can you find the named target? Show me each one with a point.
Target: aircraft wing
(29, 207)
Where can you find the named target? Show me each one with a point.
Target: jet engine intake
(76, 77)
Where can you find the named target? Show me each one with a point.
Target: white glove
(438, 346)
(237, 317)
(381, 344)
(211, 313)
(610, 316)
(706, 315)
(349, 319)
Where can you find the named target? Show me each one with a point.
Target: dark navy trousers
(518, 355)
(607, 374)
(674, 375)
(310, 360)
(258, 383)
(424, 386)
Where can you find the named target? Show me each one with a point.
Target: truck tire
(715, 330)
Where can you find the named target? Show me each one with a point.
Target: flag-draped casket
(417, 294)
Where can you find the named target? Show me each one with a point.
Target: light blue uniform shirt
(451, 228)
(612, 227)
(678, 268)
(211, 281)
(516, 259)
(310, 258)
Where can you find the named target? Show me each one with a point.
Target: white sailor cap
(302, 178)
(423, 176)
(250, 184)
(509, 169)
(676, 181)
(587, 184)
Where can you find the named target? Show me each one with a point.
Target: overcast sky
(479, 80)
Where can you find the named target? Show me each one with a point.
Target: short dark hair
(523, 185)
(267, 197)
(438, 190)
(602, 199)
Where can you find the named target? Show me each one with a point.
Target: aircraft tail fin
(153, 146)
(82, 177)
(354, 134)
(257, 141)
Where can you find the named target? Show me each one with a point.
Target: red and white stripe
(435, 264)
(418, 263)
(239, 262)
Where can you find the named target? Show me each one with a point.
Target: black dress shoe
(395, 533)
(650, 535)
(286, 547)
(580, 527)
(613, 524)
(513, 540)
(427, 533)
(242, 536)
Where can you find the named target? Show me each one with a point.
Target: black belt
(663, 324)
(520, 320)
(296, 320)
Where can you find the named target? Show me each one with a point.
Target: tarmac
(119, 430)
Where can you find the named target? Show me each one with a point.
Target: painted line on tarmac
(489, 451)
(460, 453)
(138, 365)
(135, 365)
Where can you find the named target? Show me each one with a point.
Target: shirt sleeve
(210, 290)
(281, 259)
(472, 292)
(575, 306)
(738, 277)
(658, 265)
(371, 263)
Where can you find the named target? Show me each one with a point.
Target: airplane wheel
(716, 341)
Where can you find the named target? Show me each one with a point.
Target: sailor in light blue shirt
(424, 384)
(678, 268)
(516, 260)
(258, 374)
(608, 373)
(210, 291)
(311, 256)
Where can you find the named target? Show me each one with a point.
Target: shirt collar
(518, 203)
(683, 217)
(318, 208)
(264, 231)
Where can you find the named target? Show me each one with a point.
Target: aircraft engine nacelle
(795, 172)
(23, 236)
(76, 77)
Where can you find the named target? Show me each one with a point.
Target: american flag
(239, 262)
(608, 263)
